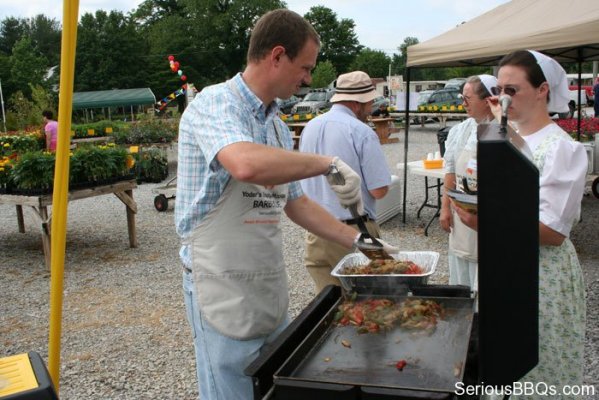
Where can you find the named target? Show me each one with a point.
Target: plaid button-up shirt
(219, 116)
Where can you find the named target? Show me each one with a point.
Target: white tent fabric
(565, 30)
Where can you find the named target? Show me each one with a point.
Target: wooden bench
(123, 190)
(384, 127)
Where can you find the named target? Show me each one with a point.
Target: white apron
(238, 267)
(462, 239)
(237, 257)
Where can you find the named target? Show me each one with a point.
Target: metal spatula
(367, 244)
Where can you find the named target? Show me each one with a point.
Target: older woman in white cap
(460, 162)
(537, 85)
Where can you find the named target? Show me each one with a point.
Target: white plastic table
(417, 168)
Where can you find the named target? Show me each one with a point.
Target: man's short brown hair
(280, 27)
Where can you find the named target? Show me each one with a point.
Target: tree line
(208, 37)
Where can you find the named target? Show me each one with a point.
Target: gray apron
(237, 258)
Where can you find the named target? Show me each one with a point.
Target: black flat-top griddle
(499, 354)
(434, 362)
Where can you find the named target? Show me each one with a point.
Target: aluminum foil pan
(390, 283)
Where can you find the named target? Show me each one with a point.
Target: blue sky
(380, 24)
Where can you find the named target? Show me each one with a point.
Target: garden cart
(164, 193)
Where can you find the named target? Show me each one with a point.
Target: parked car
(445, 97)
(285, 105)
(572, 104)
(457, 83)
(378, 102)
(586, 91)
(316, 100)
(423, 97)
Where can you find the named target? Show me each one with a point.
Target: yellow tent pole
(61, 183)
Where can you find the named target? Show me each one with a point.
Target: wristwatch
(332, 167)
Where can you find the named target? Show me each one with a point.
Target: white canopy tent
(565, 30)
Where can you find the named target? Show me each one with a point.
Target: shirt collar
(253, 102)
(343, 109)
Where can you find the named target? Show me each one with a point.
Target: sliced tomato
(401, 365)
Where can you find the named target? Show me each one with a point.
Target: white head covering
(354, 86)
(488, 81)
(559, 95)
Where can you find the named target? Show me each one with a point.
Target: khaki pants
(322, 256)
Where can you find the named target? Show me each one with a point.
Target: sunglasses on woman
(509, 90)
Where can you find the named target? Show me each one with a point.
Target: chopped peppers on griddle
(373, 315)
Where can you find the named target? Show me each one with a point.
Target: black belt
(187, 269)
(353, 221)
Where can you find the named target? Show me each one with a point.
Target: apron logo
(266, 207)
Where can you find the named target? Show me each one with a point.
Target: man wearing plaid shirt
(236, 174)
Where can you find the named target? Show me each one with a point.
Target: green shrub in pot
(151, 165)
(34, 171)
(149, 131)
(19, 144)
(5, 174)
(99, 164)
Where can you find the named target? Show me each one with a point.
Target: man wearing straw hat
(342, 132)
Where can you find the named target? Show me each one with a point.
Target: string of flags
(174, 65)
(172, 96)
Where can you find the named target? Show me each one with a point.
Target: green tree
(23, 112)
(398, 62)
(220, 34)
(323, 74)
(111, 53)
(27, 65)
(8, 85)
(11, 31)
(149, 12)
(339, 41)
(374, 62)
(45, 35)
(20, 111)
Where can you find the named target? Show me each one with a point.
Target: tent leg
(405, 146)
(579, 92)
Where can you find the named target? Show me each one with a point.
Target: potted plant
(33, 173)
(5, 175)
(151, 165)
(149, 131)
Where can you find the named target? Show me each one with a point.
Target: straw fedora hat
(354, 86)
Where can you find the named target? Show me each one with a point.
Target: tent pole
(2, 102)
(405, 145)
(579, 52)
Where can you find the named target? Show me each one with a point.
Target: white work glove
(350, 192)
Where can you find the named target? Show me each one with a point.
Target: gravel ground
(125, 335)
